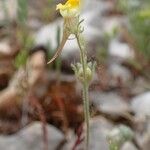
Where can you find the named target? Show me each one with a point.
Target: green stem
(83, 59)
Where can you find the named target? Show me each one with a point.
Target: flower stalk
(83, 70)
(85, 84)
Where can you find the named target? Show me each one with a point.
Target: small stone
(146, 142)
(109, 103)
(119, 50)
(31, 138)
(128, 146)
(143, 140)
(116, 72)
(141, 105)
(5, 48)
(139, 86)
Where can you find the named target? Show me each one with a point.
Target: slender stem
(83, 59)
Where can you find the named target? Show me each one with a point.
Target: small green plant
(26, 41)
(102, 53)
(22, 12)
(83, 70)
(21, 59)
(118, 136)
(138, 13)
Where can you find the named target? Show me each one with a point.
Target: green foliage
(21, 58)
(138, 13)
(140, 29)
(118, 136)
(4, 8)
(22, 11)
(26, 43)
(102, 53)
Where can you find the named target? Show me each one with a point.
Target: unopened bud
(79, 72)
(88, 74)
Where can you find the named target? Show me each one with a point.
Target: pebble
(120, 50)
(141, 104)
(109, 103)
(31, 138)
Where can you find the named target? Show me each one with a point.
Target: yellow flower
(70, 9)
